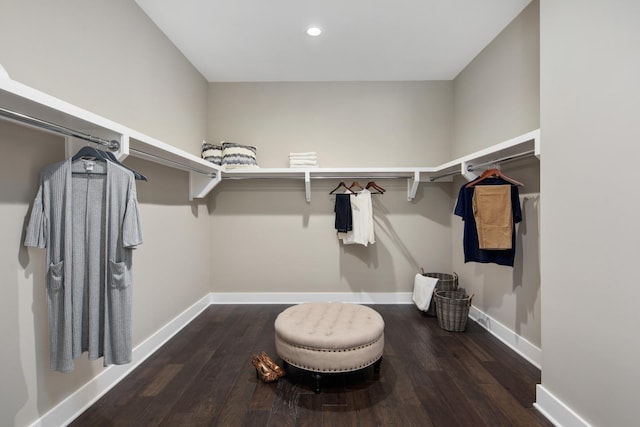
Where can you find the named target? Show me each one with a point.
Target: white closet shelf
(204, 176)
(523, 145)
(22, 99)
(369, 172)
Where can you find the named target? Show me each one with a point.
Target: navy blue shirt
(464, 209)
(342, 208)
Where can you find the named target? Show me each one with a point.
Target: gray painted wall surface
(349, 124)
(496, 98)
(106, 57)
(590, 99)
(269, 239)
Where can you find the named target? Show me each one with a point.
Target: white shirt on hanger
(362, 232)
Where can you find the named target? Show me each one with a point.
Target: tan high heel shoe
(264, 357)
(263, 371)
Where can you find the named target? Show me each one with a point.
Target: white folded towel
(423, 287)
(308, 153)
(303, 162)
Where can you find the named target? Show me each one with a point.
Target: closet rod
(163, 160)
(444, 175)
(319, 177)
(361, 177)
(481, 165)
(23, 118)
(502, 160)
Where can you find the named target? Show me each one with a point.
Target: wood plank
(161, 380)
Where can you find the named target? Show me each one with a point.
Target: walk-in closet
(200, 249)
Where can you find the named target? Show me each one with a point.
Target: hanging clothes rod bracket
(307, 186)
(467, 171)
(412, 186)
(62, 130)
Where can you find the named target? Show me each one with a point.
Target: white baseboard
(520, 345)
(300, 297)
(556, 411)
(70, 408)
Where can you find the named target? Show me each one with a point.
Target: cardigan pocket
(118, 306)
(56, 276)
(120, 275)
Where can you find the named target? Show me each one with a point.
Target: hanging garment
(343, 221)
(362, 232)
(464, 209)
(89, 224)
(493, 215)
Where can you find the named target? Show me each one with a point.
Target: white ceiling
(366, 40)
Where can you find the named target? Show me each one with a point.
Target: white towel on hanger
(423, 287)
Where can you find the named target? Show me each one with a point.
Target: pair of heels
(266, 369)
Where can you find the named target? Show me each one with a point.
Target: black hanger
(342, 184)
(372, 184)
(88, 151)
(114, 159)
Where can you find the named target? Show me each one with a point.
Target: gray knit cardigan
(86, 215)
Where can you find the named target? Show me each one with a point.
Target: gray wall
(496, 98)
(589, 116)
(106, 57)
(268, 239)
(349, 124)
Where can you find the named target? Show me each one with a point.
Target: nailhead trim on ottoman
(329, 337)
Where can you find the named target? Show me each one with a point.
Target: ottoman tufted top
(329, 326)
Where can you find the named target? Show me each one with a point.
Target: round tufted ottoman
(330, 337)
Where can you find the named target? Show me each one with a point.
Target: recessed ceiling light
(314, 31)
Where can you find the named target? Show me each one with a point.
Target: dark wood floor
(429, 377)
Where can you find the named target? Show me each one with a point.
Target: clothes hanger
(342, 184)
(92, 152)
(372, 184)
(493, 173)
(356, 184)
(111, 157)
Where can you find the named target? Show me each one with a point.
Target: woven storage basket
(453, 309)
(446, 282)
